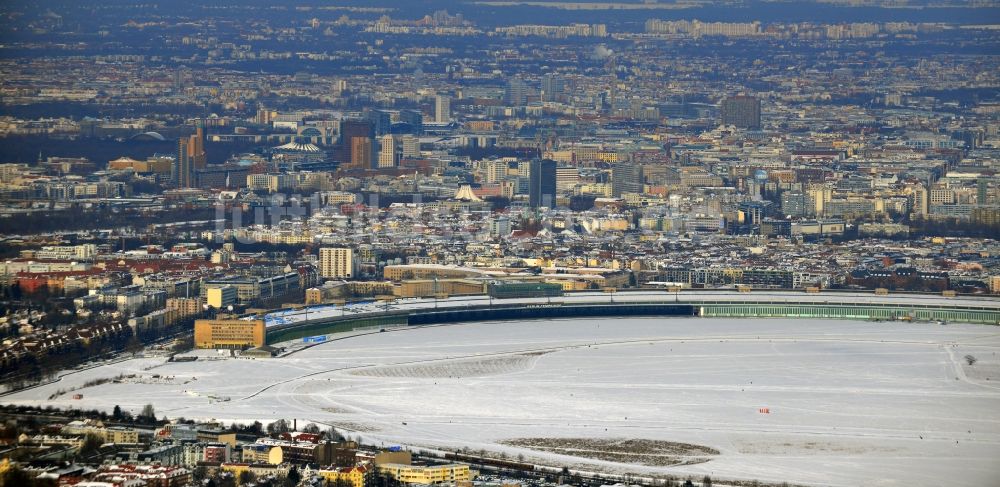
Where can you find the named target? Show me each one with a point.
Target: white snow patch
(851, 403)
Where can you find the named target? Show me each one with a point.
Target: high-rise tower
(442, 109)
(542, 183)
(190, 157)
(741, 111)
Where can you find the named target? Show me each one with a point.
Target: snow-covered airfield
(850, 403)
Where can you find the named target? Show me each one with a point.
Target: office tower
(626, 178)
(442, 109)
(388, 154)
(411, 146)
(795, 204)
(361, 152)
(741, 111)
(494, 171)
(381, 122)
(542, 183)
(516, 93)
(819, 195)
(414, 119)
(982, 191)
(553, 87)
(264, 115)
(754, 212)
(336, 263)
(350, 129)
(567, 178)
(190, 157)
(919, 201)
(182, 172)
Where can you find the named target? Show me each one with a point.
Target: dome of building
(149, 136)
(297, 147)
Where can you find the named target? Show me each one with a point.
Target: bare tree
(147, 415)
(969, 359)
(278, 427)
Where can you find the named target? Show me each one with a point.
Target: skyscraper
(182, 173)
(542, 183)
(516, 93)
(626, 178)
(494, 171)
(381, 122)
(741, 111)
(919, 201)
(414, 119)
(349, 130)
(361, 152)
(820, 195)
(388, 155)
(190, 156)
(796, 204)
(442, 109)
(553, 87)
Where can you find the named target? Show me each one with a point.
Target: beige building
(255, 453)
(339, 290)
(337, 198)
(423, 271)
(185, 306)
(336, 263)
(157, 165)
(121, 435)
(411, 146)
(272, 183)
(402, 457)
(108, 435)
(429, 287)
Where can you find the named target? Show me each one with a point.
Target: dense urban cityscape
(278, 194)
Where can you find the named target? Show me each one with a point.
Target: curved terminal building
(738, 303)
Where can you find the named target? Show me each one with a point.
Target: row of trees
(31, 368)
(79, 218)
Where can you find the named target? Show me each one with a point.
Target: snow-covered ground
(851, 403)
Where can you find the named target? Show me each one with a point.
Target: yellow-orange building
(355, 475)
(228, 333)
(259, 470)
(480, 125)
(157, 165)
(435, 474)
